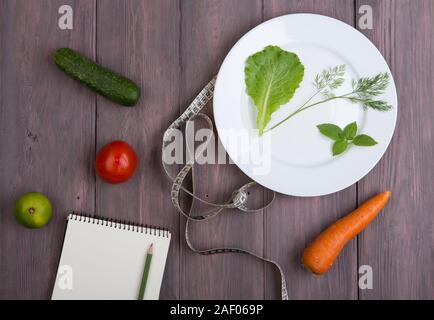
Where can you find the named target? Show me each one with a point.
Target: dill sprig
(365, 91)
(329, 79)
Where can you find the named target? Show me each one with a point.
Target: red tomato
(116, 162)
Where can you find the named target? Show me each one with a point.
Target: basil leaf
(364, 140)
(272, 76)
(331, 131)
(339, 147)
(350, 130)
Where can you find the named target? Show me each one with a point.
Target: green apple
(33, 210)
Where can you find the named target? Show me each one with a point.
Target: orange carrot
(319, 256)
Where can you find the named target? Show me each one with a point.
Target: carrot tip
(387, 194)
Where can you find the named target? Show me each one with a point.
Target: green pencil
(146, 272)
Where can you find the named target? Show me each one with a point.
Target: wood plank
(46, 138)
(399, 243)
(209, 29)
(140, 39)
(291, 223)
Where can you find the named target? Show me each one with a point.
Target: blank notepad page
(105, 260)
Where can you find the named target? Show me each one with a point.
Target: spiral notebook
(103, 259)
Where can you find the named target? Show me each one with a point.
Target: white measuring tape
(239, 197)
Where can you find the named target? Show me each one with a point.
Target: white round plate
(295, 158)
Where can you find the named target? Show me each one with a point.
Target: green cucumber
(98, 78)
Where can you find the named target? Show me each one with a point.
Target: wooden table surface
(51, 128)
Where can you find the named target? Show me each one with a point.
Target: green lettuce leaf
(272, 76)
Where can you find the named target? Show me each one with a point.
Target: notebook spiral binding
(120, 224)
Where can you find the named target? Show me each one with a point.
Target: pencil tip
(151, 249)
